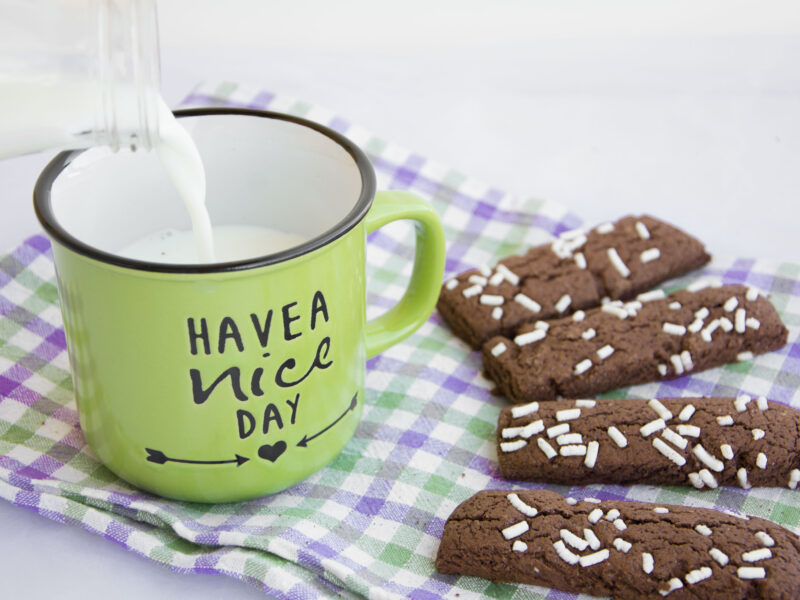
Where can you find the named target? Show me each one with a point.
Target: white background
(688, 110)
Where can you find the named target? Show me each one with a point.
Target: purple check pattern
(369, 523)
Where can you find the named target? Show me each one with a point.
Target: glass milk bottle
(78, 73)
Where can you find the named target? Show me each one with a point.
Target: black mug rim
(44, 212)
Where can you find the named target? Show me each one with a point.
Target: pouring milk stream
(205, 244)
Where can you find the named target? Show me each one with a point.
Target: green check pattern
(368, 524)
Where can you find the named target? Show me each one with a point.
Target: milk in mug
(230, 243)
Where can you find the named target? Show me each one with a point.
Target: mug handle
(420, 297)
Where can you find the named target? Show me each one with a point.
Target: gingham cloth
(369, 523)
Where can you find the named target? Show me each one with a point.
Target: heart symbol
(272, 452)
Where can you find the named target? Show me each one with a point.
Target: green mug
(225, 382)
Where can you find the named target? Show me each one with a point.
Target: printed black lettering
(262, 332)
(287, 322)
(318, 306)
(271, 413)
(255, 382)
(194, 335)
(293, 406)
(228, 329)
(318, 363)
(200, 395)
(246, 422)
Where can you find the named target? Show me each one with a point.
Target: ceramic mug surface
(223, 382)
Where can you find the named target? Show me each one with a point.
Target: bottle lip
(147, 70)
(129, 72)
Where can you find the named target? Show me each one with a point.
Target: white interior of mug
(260, 171)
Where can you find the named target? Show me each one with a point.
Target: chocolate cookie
(614, 260)
(626, 550)
(704, 442)
(620, 344)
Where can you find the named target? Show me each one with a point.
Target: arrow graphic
(307, 438)
(158, 457)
